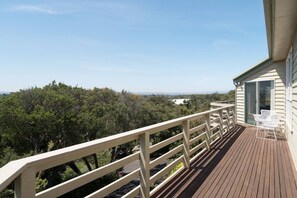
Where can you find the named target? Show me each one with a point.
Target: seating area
(267, 122)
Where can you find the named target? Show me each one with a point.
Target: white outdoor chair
(268, 121)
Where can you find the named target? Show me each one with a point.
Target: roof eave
(281, 27)
(269, 24)
(253, 70)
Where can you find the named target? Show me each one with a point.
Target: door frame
(272, 95)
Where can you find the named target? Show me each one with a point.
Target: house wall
(274, 71)
(292, 136)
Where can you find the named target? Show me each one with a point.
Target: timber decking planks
(252, 167)
(215, 176)
(205, 162)
(286, 172)
(234, 170)
(249, 167)
(290, 168)
(239, 182)
(271, 172)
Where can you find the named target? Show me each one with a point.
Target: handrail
(15, 170)
(219, 104)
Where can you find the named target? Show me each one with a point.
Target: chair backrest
(275, 119)
(267, 114)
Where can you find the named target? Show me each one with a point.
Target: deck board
(239, 165)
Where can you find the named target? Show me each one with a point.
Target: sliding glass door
(250, 101)
(258, 96)
(265, 89)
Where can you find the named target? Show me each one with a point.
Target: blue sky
(187, 46)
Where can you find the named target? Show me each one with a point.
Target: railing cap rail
(13, 169)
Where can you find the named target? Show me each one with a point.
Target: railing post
(233, 116)
(228, 118)
(207, 122)
(186, 143)
(221, 123)
(145, 165)
(24, 185)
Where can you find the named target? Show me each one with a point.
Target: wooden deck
(239, 165)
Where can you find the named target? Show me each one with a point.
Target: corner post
(186, 143)
(145, 165)
(24, 184)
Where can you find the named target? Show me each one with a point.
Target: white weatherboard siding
(274, 71)
(240, 104)
(292, 135)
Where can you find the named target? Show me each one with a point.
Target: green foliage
(38, 120)
(41, 184)
(178, 166)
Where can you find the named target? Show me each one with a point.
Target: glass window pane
(264, 95)
(250, 102)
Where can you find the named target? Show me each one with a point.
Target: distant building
(180, 101)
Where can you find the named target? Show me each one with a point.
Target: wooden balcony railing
(199, 132)
(218, 104)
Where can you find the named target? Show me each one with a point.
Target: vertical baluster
(186, 143)
(25, 184)
(221, 123)
(145, 165)
(228, 118)
(234, 116)
(207, 122)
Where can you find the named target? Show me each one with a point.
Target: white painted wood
(81, 180)
(292, 133)
(166, 156)
(198, 154)
(221, 123)
(197, 138)
(133, 193)
(214, 127)
(208, 133)
(197, 128)
(29, 166)
(274, 71)
(166, 170)
(199, 146)
(166, 142)
(145, 165)
(166, 181)
(186, 144)
(115, 185)
(215, 120)
(25, 184)
(213, 136)
(11, 171)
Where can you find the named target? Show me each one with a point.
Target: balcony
(220, 159)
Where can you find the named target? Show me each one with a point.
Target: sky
(168, 46)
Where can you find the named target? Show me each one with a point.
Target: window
(258, 95)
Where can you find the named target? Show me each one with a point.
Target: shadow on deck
(239, 165)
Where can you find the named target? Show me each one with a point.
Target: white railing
(199, 132)
(218, 104)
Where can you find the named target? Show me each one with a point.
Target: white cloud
(33, 9)
(43, 9)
